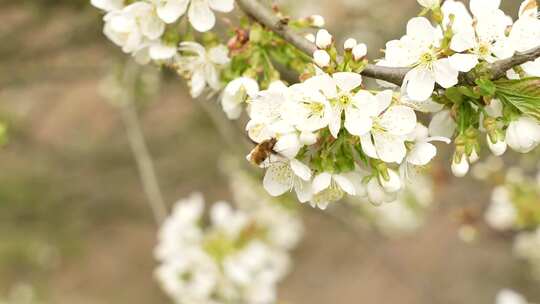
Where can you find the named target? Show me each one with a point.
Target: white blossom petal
(321, 181)
(200, 16)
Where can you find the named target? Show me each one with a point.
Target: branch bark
(266, 17)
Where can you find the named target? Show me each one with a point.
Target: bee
(467, 216)
(262, 151)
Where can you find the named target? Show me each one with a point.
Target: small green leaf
(454, 95)
(487, 87)
(523, 94)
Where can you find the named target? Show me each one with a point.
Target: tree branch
(266, 17)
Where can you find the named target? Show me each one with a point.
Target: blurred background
(74, 224)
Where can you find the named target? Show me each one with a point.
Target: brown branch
(266, 17)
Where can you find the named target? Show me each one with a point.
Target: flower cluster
(236, 257)
(463, 42)
(329, 135)
(148, 31)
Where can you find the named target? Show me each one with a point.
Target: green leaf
(523, 94)
(454, 95)
(487, 87)
(469, 92)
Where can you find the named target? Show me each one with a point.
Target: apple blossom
(460, 167)
(523, 134)
(321, 58)
(497, 148)
(323, 39)
(349, 44)
(359, 51)
(235, 93)
(199, 13)
(202, 66)
(316, 20)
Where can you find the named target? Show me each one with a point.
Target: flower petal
(200, 16)
(368, 147)
(421, 154)
(172, 10)
(224, 6)
(463, 62)
(277, 179)
(347, 81)
(390, 148)
(356, 122)
(300, 169)
(321, 182)
(345, 184)
(445, 74)
(398, 120)
(420, 83)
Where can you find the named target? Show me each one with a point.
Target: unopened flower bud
(316, 20)
(474, 157)
(359, 51)
(321, 58)
(497, 148)
(310, 37)
(323, 39)
(460, 168)
(392, 184)
(349, 44)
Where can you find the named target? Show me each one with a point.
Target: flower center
(330, 194)
(484, 50)
(315, 108)
(427, 59)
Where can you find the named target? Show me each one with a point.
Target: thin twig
(139, 148)
(266, 17)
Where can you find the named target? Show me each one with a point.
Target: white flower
(359, 51)
(460, 168)
(200, 12)
(418, 49)
(386, 139)
(523, 134)
(377, 195)
(442, 124)
(202, 66)
(328, 188)
(349, 44)
(323, 39)
(161, 51)
(316, 20)
(497, 148)
(508, 296)
(429, 3)
(337, 89)
(484, 39)
(501, 213)
(284, 175)
(423, 150)
(236, 92)
(309, 110)
(393, 184)
(321, 58)
(133, 27)
(108, 5)
(191, 276)
(525, 35)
